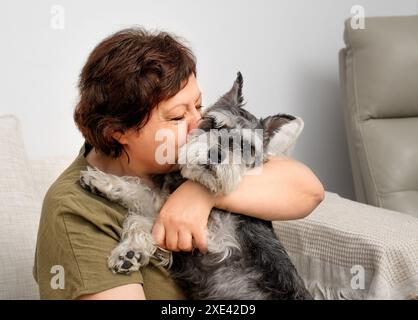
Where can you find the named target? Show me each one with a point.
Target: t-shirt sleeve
(78, 247)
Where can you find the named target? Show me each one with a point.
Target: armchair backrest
(379, 80)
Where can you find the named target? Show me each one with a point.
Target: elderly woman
(134, 84)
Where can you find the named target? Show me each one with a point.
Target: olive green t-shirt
(77, 232)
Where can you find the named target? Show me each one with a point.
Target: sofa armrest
(349, 250)
(45, 171)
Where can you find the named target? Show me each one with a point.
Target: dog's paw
(90, 181)
(126, 260)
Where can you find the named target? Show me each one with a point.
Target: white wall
(286, 50)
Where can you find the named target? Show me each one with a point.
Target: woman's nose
(194, 123)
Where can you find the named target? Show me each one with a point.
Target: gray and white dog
(245, 259)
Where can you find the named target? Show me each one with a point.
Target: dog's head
(279, 132)
(230, 140)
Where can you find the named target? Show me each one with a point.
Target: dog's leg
(136, 246)
(265, 254)
(129, 192)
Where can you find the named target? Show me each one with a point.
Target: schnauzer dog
(245, 259)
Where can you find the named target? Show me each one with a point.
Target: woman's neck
(118, 167)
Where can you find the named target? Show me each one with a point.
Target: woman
(134, 84)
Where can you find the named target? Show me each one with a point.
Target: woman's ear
(120, 137)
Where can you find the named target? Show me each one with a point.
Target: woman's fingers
(158, 233)
(200, 240)
(171, 239)
(185, 241)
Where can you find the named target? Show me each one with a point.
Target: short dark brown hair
(124, 78)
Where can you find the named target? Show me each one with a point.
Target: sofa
(342, 250)
(379, 81)
(23, 183)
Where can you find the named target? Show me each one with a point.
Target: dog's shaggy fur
(245, 259)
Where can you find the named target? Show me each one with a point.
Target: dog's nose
(195, 124)
(199, 122)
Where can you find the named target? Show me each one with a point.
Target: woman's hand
(182, 222)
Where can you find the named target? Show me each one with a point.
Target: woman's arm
(284, 189)
(132, 291)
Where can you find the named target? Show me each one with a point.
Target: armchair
(379, 81)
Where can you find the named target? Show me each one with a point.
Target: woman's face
(153, 149)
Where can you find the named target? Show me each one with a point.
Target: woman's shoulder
(66, 188)
(77, 231)
(66, 197)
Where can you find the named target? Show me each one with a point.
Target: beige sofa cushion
(19, 215)
(45, 171)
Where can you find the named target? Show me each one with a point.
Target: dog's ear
(281, 132)
(233, 98)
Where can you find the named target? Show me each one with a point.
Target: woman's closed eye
(180, 118)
